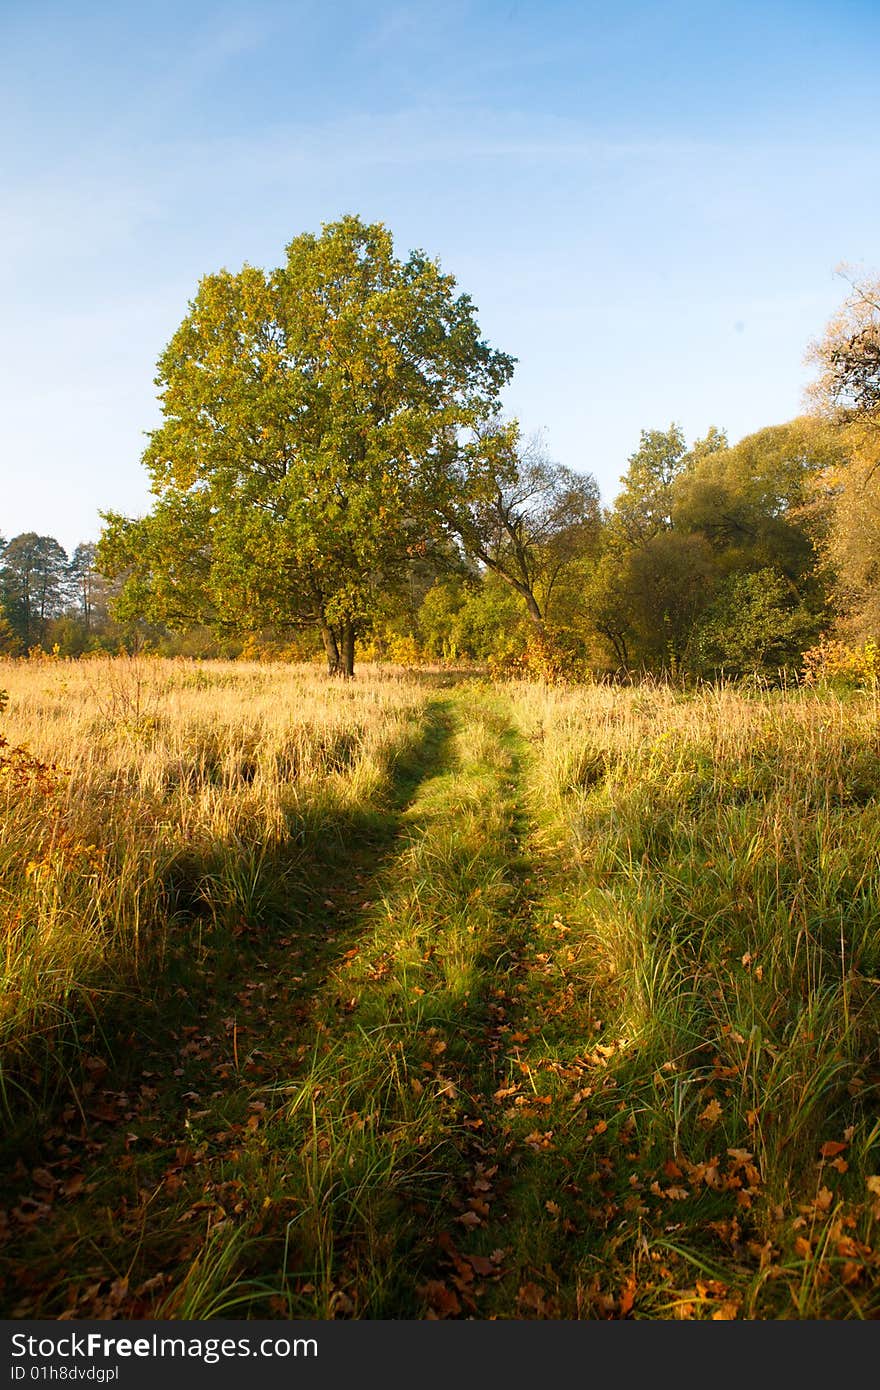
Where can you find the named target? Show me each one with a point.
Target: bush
(832, 662)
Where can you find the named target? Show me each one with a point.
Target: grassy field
(416, 997)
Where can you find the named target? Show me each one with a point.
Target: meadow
(426, 996)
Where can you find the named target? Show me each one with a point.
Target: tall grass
(160, 796)
(514, 1001)
(722, 899)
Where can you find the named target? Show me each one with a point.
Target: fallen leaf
(831, 1148)
(712, 1113)
(469, 1218)
(627, 1296)
(740, 1156)
(726, 1312)
(443, 1301)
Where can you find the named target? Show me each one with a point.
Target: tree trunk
(534, 611)
(348, 650)
(331, 647)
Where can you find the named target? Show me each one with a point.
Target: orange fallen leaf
(740, 1156)
(712, 1113)
(726, 1312)
(627, 1296)
(831, 1148)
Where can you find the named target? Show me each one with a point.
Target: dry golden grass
(153, 787)
(578, 984)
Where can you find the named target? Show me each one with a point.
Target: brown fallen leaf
(478, 1205)
(831, 1148)
(442, 1301)
(469, 1218)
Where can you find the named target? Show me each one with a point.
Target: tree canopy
(521, 516)
(313, 418)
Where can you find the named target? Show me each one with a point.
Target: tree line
(49, 599)
(333, 470)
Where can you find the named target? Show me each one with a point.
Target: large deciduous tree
(312, 422)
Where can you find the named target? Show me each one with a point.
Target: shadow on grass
(230, 911)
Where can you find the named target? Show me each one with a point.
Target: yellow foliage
(544, 658)
(832, 660)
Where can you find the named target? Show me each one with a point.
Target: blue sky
(647, 205)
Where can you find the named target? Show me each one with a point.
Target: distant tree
(312, 424)
(521, 516)
(847, 393)
(478, 618)
(848, 357)
(658, 591)
(756, 502)
(642, 508)
(651, 582)
(32, 584)
(10, 643)
(86, 586)
(755, 624)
